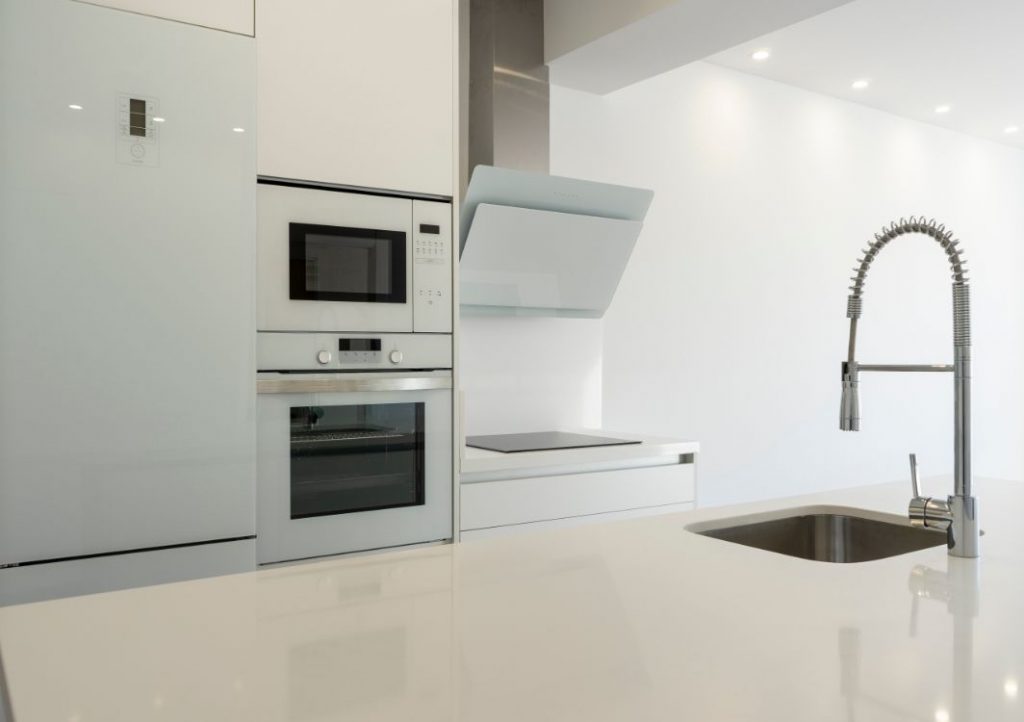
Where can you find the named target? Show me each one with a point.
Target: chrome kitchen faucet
(957, 515)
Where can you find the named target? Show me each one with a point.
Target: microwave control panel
(432, 266)
(138, 134)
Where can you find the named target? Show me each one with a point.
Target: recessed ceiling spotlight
(238, 130)
(762, 54)
(940, 109)
(1010, 129)
(860, 84)
(75, 106)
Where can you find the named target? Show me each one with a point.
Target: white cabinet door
(235, 16)
(357, 93)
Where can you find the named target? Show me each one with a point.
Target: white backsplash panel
(530, 374)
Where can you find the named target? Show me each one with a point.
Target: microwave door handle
(339, 383)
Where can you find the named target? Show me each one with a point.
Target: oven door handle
(277, 383)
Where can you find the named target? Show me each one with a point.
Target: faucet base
(929, 513)
(964, 534)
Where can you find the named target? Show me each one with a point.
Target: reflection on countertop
(632, 620)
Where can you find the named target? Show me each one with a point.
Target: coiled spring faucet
(956, 515)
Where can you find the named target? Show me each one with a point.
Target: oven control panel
(432, 267)
(359, 350)
(351, 352)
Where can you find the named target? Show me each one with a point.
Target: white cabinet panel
(235, 16)
(357, 93)
(543, 498)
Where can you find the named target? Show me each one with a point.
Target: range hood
(532, 243)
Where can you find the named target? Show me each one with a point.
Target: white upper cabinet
(235, 16)
(357, 93)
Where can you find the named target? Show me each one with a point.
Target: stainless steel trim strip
(345, 383)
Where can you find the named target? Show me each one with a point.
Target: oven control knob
(396, 356)
(324, 357)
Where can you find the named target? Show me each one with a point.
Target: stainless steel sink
(824, 534)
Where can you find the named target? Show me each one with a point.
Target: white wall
(530, 374)
(729, 325)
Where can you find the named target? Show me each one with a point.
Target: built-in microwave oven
(334, 261)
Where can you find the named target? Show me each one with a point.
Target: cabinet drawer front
(518, 501)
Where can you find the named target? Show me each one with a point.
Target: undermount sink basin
(824, 534)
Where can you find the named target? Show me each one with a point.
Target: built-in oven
(355, 443)
(337, 261)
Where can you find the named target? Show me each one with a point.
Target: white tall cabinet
(357, 93)
(234, 16)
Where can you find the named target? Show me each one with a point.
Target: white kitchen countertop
(481, 464)
(636, 620)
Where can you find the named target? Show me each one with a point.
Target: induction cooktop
(541, 441)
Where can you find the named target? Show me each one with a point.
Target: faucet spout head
(849, 411)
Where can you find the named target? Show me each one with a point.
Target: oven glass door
(359, 457)
(336, 263)
(352, 461)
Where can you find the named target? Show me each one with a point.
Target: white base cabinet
(358, 93)
(474, 534)
(543, 501)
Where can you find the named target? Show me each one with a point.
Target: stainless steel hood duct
(531, 243)
(508, 85)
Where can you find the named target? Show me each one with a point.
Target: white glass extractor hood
(536, 244)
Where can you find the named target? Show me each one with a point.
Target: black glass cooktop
(541, 441)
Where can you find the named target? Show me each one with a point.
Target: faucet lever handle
(915, 484)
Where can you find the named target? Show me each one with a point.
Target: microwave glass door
(356, 458)
(335, 263)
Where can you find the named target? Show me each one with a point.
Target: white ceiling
(603, 45)
(918, 54)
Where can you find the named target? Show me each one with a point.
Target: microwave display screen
(335, 263)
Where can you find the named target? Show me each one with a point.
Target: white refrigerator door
(127, 322)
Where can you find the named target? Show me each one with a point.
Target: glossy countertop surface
(482, 461)
(633, 620)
